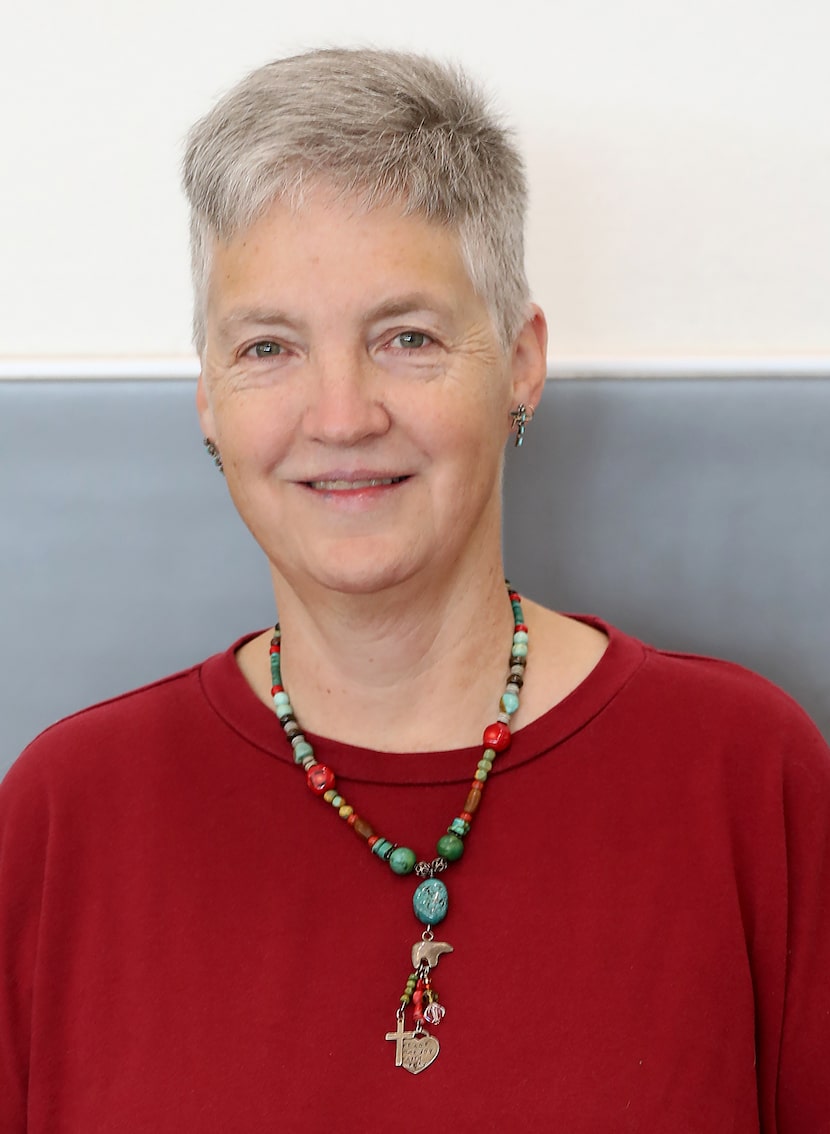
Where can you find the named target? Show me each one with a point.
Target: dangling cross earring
(520, 417)
(213, 452)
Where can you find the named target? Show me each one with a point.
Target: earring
(213, 452)
(520, 417)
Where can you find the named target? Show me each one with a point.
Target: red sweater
(192, 942)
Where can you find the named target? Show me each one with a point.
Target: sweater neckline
(232, 699)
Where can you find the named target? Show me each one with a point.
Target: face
(357, 390)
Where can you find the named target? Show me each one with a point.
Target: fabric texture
(191, 941)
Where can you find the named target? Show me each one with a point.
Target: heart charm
(419, 1051)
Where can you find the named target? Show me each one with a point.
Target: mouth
(343, 485)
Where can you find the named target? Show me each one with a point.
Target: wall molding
(185, 367)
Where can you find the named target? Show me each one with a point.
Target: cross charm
(399, 1035)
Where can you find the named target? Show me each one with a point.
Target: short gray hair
(378, 127)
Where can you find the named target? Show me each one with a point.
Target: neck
(419, 667)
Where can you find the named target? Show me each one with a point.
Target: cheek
(254, 431)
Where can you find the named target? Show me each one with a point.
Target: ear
(203, 408)
(529, 359)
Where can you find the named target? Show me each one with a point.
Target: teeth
(344, 485)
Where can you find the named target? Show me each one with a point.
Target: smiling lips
(341, 484)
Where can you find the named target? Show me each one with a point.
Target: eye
(411, 340)
(265, 349)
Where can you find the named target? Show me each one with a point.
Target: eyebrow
(386, 309)
(403, 305)
(259, 316)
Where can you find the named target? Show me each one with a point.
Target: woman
(427, 850)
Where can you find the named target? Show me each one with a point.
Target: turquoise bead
(402, 860)
(430, 901)
(302, 751)
(381, 847)
(459, 827)
(509, 702)
(519, 650)
(520, 636)
(284, 711)
(281, 699)
(450, 847)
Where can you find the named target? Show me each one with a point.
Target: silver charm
(427, 951)
(415, 1050)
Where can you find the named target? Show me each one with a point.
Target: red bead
(276, 689)
(372, 840)
(320, 778)
(519, 626)
(273, 649)
(466, 817)
(497, 736)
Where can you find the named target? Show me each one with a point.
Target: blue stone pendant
(430, 901)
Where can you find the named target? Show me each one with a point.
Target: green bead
(519, 650)
(520, 636)
(485, 765)
(284, 711)
(450, 847)
(480, 775)
(402, 860)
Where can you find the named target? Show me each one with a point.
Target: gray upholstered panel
(693, 513)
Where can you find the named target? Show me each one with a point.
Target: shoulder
(754, 731)
(106, 739)
(713, 686)
(685, 707)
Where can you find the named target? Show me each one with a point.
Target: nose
(345, 399)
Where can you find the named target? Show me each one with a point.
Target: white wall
(679, 156)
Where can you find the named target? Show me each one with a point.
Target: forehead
(326, 245)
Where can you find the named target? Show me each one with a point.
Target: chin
(351, 570)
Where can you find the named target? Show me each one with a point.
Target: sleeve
(23, 840)
(803, 1094)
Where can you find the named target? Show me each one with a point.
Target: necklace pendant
(430, 901)
(415, 1050)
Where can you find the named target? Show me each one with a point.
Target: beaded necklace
(415, 1049)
